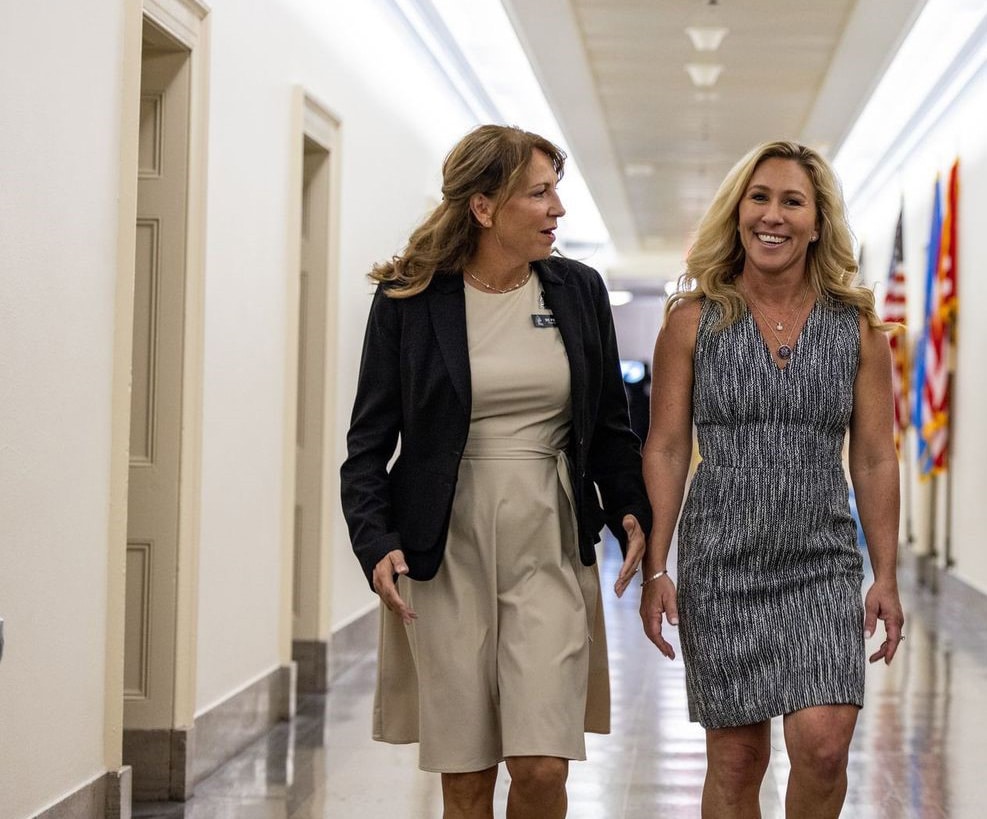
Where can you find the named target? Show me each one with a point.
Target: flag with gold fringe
(896, 311)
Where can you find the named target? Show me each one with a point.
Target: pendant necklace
(516, 286)
(784, 348)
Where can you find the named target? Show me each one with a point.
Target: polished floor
(920, 750)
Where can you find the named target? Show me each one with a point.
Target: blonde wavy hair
(716, 258)
(490, 159)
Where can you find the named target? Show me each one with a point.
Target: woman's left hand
(635, 553)
(882, 603)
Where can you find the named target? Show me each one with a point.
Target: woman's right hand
(391, 564)
(658, 601)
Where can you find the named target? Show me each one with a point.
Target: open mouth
(771, 238)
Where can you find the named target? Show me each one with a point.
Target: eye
(757, 196)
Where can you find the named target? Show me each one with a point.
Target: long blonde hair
(717, 256)
(490, 159)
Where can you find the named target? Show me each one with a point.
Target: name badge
(543, 320)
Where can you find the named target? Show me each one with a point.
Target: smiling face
(524, 226)
(777, 217)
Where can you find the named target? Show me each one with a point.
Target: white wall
(59, 146)
(959, 132)
(399, 117)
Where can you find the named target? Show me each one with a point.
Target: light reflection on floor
(918, 752)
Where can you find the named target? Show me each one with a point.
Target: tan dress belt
(520, 449)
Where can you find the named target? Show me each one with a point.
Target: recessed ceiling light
(633, 169)
(704, 75)
(706, 38)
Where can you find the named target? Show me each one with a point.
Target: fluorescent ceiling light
(637, 169)
(619, 297)
(703, 75)
(706, 38)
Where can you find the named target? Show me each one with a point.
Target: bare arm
(667, 454)
(875, 476)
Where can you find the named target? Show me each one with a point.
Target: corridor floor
(919, 751)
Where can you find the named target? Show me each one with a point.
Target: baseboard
(352, 642)
(106, 797)
(161, 762)
(312, 659)
(167, 764)
(320, 662)
(950, 600)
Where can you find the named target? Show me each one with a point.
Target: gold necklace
(516, 286)
(784, 348)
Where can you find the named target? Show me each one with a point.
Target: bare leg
(468, 795)
(537, 787)
(818, 741)
(736, 759)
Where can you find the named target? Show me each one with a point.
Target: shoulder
(874, 343)
(559, 270)
(683, 316)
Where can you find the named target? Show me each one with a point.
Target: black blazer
(414, 385)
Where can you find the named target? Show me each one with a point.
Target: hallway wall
(958, 132)
(59, 186)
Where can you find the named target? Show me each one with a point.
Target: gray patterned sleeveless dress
(769, 573)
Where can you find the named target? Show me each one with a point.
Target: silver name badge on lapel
(544, 320)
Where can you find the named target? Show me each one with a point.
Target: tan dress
(500, 661)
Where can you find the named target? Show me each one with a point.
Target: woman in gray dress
(494, 365)
(773, 353)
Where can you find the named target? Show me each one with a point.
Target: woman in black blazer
(493, 368)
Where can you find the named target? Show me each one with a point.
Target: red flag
(935, 391)
(896, 310)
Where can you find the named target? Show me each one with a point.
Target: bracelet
(662, 573)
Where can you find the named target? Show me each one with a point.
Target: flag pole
(929, 559)
(948, 559)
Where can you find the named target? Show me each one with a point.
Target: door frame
(187, 22)
(311, 120)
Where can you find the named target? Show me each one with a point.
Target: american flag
(896, 310)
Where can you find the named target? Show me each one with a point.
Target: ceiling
(651, 145)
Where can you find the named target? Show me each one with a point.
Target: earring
(813, 237)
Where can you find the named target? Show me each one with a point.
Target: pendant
(779, 327)
(784, 352)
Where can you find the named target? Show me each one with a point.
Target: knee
(738, 768)
(538, 774)
(825, 758)
(468, 790)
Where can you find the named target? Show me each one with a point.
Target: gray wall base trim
(168, 763)
(320, 662)
(956, 596)
(312, 659)
(160, 759)
(351, 643)
(106, 797)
